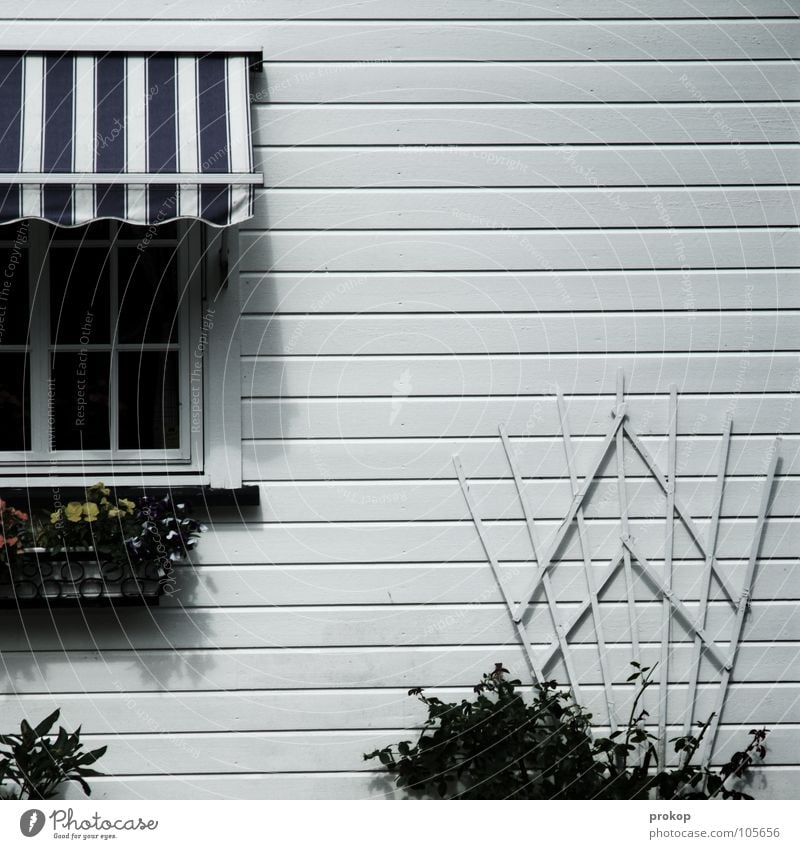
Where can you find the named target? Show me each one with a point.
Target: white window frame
(211, 446)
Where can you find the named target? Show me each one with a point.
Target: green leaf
(47, 723)
(91, 757)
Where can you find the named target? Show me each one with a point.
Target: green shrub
(33, 766)
(499, 746)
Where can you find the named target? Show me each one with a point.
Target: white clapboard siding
(285, 711)
(371, 542)
(523, 250)
(364, 625)
(352, 501)
(536, 291)
(507, 374)
(95, 671)
(142, 754)
(295, 459)
(766, 782)
(336, 418)
(524, 124)
(467, 204)
(487, 209)
(334, 41)
(526, 82)
(524, 163)
(376, 583)
(368, 334)
(412, 10)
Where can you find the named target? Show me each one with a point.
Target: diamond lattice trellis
(631, 559)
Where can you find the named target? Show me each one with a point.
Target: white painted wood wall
(469, 202)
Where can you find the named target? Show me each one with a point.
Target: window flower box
(98, 551)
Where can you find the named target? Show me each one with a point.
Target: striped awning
(143, 138)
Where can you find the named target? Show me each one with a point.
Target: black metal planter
(77, 579)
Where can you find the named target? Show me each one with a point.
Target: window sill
(36, 495)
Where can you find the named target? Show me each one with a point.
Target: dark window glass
(79, 392)
(79, 296)
(149, 409)
(148, 295)
(15, 232)
(95, 230)
(14, 315)
(147, 234)
(14, 401)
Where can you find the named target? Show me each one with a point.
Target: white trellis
(632, 560)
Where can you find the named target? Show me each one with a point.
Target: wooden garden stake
(742, 605)
(495, 566)
(622, 493)
(705, 582)
(669, 545)
(587, 567)
(549, 594)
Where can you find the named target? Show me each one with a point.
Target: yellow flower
(100, 487)
(55, 518)
(127, 505)
(73, 511)
(113, 512)
(90, 511)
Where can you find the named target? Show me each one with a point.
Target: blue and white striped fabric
(140, 138)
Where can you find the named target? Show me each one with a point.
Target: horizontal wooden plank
(295, 41)
(530, 333)
(293, 785)
(432, 458)
(525, 250)
(408, 542)
(441, 583)
(765, 783)
(520, 165)
(523, 124)
(524, 82)
(135, 671)
(493, 209)
(305, 377)
(356, 501)
(344, 418)
(192, 10)
(538, 291)
(440, 625)
(148, 754)
(195, 713)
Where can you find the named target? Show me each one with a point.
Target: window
(104, 350)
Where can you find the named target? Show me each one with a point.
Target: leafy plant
(13, 531)
(98, 522)
(164, 528)
(498, 746)
(33, 765)
(120, 529)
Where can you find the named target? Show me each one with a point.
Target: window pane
(14, 317)
(79, 292)
(148, 295)
(79, 389)
(149, 407)
(14, 401)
